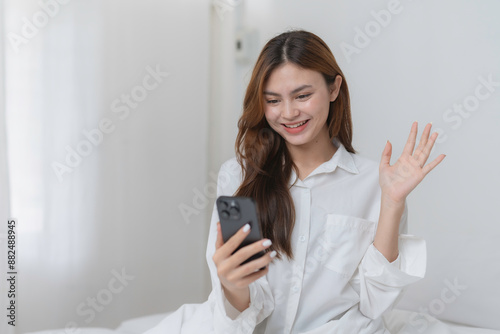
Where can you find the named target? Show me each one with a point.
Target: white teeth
(295, 125)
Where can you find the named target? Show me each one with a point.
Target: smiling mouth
(296, 125)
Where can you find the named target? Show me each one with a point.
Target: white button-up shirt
(338, 282)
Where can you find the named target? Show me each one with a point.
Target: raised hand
(398, 180)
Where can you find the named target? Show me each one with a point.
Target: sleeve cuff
(230, 319)
(252, 309)
(231, 311)
(381, 281)
(408, 268)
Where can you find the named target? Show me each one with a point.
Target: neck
(309, 156)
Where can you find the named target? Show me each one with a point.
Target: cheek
(270, 115)
(321, 110)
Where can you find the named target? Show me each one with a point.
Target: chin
(295, 141)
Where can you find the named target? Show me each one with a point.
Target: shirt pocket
(345, 240)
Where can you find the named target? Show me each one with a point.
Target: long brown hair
(262, 153)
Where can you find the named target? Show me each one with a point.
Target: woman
(334, 223)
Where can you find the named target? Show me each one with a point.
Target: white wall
(122, 209)
(426, 59)
(160, 159)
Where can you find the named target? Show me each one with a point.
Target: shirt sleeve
(381, 281)
(227, 319)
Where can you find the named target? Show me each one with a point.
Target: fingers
(410, 143)
(430, 166)
(423, 140)
(219, 242)
(226, 249)
(228, 263)
(255, 265)
(251, 271)
(424, 148)
(424, 154)
(386, 155)
(246, 252)
(232, 244)
(247, 280)
(233, 275)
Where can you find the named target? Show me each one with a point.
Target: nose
(289, 111)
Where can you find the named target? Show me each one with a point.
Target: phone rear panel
(234, 213)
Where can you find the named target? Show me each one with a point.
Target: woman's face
(297, 102)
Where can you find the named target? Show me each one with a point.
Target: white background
(121, 207)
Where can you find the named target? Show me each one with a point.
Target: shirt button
(302, 238)
(295, 289)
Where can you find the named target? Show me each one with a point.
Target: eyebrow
(298, 89)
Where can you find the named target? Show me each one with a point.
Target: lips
(295, 128)
(295, 125)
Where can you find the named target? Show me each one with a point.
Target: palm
(398, 180)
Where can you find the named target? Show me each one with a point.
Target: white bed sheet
(398, 322)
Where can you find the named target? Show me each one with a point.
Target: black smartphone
(234, 213)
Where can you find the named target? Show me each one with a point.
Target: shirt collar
(341, 158)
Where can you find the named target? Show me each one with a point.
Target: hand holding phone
(235, 248)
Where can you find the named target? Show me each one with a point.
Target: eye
(272, 101)
(303, 96)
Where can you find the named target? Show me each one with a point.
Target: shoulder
(229, 178)
(230, 164)
(230, 168)
(356, 164)
(364, 164)
(368, 171)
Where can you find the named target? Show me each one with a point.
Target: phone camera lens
(235, 212)
(225, 214)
